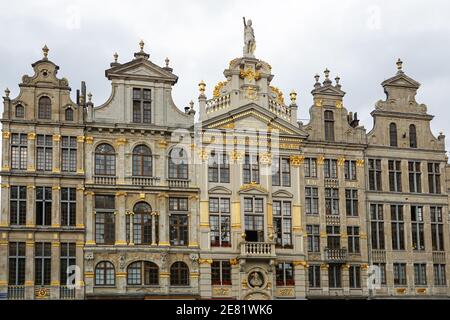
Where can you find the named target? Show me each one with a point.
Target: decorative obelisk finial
(249, 39)
(399, 66)
(45, 52)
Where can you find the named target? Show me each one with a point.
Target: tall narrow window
(19, 153)
(377, 226)
(395, 175)
(105, 160)
(375, 174)
(43, 206)
(434, 178)
(312, 200)
(254, 219)
(351, 202)
(178, 221)
(178, 164)
(329, 126)
(105, 274)
(143, 273)
(393, 135)
(221, 273)
(16, 260)
(355, 277)
(179, 274)
(68, 114)
(350, 170)
(400, 274)
(142, 105)
(67, 258)
(412, 136)
(285, 274)
(282, 174)
(42, 263)
(251, 168)
(334, 276)
(310, 165)
(142, 161)
(353, 239)
(44, 152)
(332, 201)
(437, 229)
(105, 224)
(333, 237)
(68, 154)
(220, 222)
(18, 205)
(68, 206)
(330, 168)
(439, 275)
(20, 111)
(417, 228)
(218, 168)
(415, 184)
(420, 274)
(312, 231)
(141, 222)
(398, 227)
(314, 276)
(282, 223)
(45, 108)
(382, 268)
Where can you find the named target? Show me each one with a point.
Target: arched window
(45, 108)
(69, 114)
(329, 125)
(143, 273)
(412, 136)
(142, 161)
(178, 165)
(105, 274)
(105, 160)
(20, 111)
(179, 274)
(393, 135)
(140, 224)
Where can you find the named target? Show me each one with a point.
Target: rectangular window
(282, 174)
(68, 154)
(178, 221)
(398, 227)
(400, 274)
(312, 200)
(218, 168)
(16, 261)
(417, 227)
(285, 274)
(67, 258)
(395, 175)
(434, 177)
(312, 231)
(18, 205)
(350, 169)
(251, 168)
(330, 168)
(437, 229)
(44, 152)
(382, 268)
(333, 237)
(310, 167)
(415, 184)
(332, 201)
(142, 102)
(221, 273)
(351, 202)
(439, 275)
(68, 207)
(334, 276)
(377, 226)
(43, 206)
(355, 277)
(220, 222)
(254, 219)
(375, 174)
(19, 154)
(420, 274)
(353, 239)
(314, 276)
(105, 223)
(282, 223)
(42, 263)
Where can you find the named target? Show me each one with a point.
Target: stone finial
(399, 65)
(337, 79)
(327, 73)
(141, 45)
(141, 54)
(293, 96)
(45, 52)
(202, 87)
(89, 95)
(7, 92)
(116, 56)
(167, 62)
(191, 105)
(317, 84)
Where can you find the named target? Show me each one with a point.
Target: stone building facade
(136, 199)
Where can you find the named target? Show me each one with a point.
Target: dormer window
(45, 108)
(20, 111)
(142, 101)
(69, 114)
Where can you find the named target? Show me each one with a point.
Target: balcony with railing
(178, 183)
(439, 257)
(66, 293)
(106, 180)
(333, 219)
(16, 292)
(331, 182)
(258, 249)
(143, 181)
(336, 255)
(379, 255)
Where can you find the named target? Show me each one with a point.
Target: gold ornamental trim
(56, 137)
(360, 162)
(205, 261)
(121, 141)
(31, 136)
(341, 161)
(296, 160)
(80, 139)
(89, 140)
(339, 104)
(6, 135)
(234, 261)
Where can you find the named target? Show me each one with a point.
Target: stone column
(236, 160)
(205, 241)
(79, 292)
(56, 219)
(31, 152)
(79, 220)
(205, 278)
(4, 263)
(56, 153)
(193, 221)
(345, 279)
(90, 218)
(324, 279)
(121, 218)
(31, 203)
(55, 267)
(29, 268)
(4, 221)
(6, 165)
(163, 220)
(120, 160)
(89, 159)
(300, 271)
(160, 163)
(80, 155)
(297, 176)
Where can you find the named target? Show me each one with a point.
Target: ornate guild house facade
(137, 199)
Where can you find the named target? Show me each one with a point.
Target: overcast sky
(359, 40)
